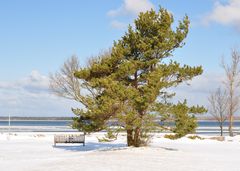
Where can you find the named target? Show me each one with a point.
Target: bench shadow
(90, 146)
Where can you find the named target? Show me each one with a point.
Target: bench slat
(69, 139)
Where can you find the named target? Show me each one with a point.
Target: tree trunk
(231, 109)
(134, 137)
(221, 128)
(137, 137)
(230, 125)
(130, 141)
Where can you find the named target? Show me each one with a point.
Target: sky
(36, 37)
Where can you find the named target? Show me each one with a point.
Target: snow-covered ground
(35, 152)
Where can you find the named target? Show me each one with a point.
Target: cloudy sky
(36, 37)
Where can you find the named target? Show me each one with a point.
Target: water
(36, 123)
(216, 124)
(37, 126)
(212, 128)
(204, 127)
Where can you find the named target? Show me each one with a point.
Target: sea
(204, 127)
(37, 126)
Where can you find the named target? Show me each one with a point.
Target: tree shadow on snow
(164, 148)
(91, 146)
(169, 149)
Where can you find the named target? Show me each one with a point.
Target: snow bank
(35, 152)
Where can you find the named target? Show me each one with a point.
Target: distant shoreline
(36, 118)
(70, 119)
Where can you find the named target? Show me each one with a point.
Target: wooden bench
(69, 138)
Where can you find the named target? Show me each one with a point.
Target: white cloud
(199, 89)
(30, 96)
(225, 13)
(118, 25)
(131, 7)
(35, 81)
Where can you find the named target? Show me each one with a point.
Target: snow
(35, 152)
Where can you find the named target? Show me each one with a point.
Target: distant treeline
(206, 118)
(36, 118)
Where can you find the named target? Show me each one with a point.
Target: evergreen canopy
(129, 84)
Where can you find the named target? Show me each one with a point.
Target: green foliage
(110, 136)
(130, 83)
(195, 137)
(184, 122)
(171, 136)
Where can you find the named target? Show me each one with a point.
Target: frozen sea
(204, 127)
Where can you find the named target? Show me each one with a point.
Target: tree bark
(221, 128)
(230, 125)
(130, 137)
(137, 138)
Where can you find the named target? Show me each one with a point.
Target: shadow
(169, 149)
(165, 148)
(100, 147)
(91, 146)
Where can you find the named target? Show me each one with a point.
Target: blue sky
(36, 37)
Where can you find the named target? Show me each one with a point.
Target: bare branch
(64, 83)
(232, 83)
(218, 107)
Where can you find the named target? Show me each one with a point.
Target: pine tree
(129, 84)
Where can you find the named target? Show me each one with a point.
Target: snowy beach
(35, 151)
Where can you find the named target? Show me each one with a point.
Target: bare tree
(232, 83)
(218, 107)
(64, 84)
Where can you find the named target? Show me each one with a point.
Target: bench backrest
(69, 138)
